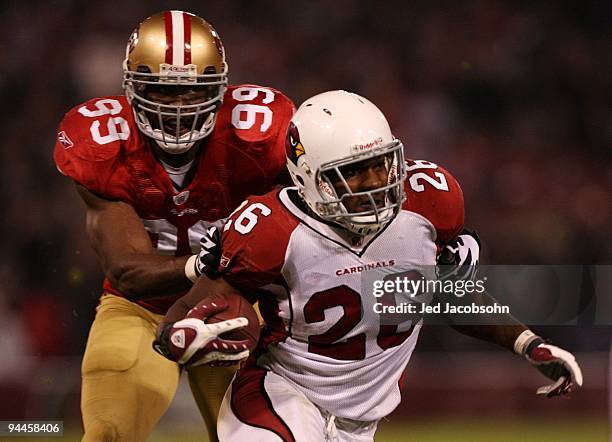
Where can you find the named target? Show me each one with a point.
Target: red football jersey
(100, 147)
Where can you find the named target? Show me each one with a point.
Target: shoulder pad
(254, 241)
(255, 113)
(434, 193)
(90, 138)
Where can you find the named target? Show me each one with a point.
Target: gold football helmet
(175, 76)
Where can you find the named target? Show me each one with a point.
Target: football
(237, 307)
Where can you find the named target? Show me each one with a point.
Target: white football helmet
(170, 53)
(330, 131)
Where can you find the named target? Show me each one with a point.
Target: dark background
(512, 97)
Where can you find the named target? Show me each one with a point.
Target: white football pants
(261, 406)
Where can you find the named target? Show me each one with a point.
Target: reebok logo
(63, 139)
(178, 339)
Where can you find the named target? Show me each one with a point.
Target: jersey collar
(290, 198)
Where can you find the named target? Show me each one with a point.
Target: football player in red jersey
(328, 366)
(156, 168)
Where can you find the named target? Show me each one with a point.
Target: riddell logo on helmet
(378, 142)
(170, 70)
(173, 68)
(326, 189)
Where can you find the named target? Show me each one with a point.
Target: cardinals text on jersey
(320, 333)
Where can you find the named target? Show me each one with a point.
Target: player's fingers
(226, 346)
(237, 359)
(565, 388)
(555, 388)
(206, 309)
(229, 325)
(216, 357)
(552, 355)
(223, 363)
(574, 370)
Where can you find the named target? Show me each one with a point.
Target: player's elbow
(125, 279)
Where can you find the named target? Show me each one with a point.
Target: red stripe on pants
(252, 405)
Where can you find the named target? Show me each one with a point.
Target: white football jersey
(315, 293)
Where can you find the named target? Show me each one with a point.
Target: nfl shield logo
(181, 198)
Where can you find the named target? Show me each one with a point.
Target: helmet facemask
(379, 206)
(345, 162)
(175, 76)
(176, 128)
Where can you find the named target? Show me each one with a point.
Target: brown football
(239, 306)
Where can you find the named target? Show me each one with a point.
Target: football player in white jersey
(327, 367)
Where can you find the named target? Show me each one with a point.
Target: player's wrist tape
(525, 342)
(190, 268)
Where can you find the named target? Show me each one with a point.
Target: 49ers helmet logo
(293, 145)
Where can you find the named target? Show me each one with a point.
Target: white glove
(553, 362)
(205, 346)
(191, 341)
(207, 260)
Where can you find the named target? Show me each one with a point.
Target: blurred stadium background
(513, 97)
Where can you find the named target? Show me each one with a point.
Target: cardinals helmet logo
(293, 145)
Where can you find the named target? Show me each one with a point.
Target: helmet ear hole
(209, 70)
(300, 180)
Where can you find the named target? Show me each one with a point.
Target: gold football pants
(126, 386)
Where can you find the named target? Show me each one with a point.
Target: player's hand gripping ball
(219, 330)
